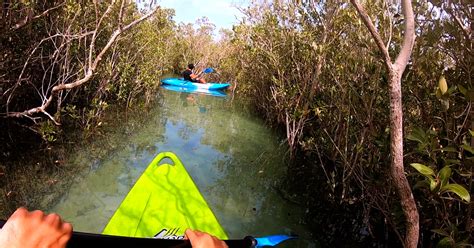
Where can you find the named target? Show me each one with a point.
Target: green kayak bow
(163, 203)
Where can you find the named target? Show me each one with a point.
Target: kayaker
(190, 76)
(25, 229)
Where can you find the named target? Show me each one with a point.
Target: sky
(221, 13)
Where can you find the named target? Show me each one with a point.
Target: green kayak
(163, 203)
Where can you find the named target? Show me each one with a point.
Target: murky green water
(233, 158)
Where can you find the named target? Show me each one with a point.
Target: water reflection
(232, 157)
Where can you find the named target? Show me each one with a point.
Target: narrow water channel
(235, 161)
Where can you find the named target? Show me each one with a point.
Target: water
(235, 161)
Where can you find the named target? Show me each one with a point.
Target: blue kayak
(217, 93)
(194, 86)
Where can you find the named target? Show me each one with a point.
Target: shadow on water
(235, 161)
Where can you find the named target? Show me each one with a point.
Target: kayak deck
(163, 203)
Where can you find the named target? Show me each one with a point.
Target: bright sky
(222, 13)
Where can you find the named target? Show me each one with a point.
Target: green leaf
(445, 242)
(472, 133)
(423, 169)
(458, 190)
(468, 148)
(418, 135)
(444, 175)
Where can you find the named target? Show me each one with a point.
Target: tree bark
(395, 71)
(397, 169)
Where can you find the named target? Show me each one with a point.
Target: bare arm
(194, 76)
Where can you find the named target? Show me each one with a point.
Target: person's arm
(194, 76)
(204, 240)
(34, 229)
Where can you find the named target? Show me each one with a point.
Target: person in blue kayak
(190, 76)
(25, 229)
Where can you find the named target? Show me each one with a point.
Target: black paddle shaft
(80, 239)
(87, 240)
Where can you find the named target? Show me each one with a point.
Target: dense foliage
(310, 69)
(46, 44)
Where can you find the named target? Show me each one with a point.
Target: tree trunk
(397, 170)
(395, 71)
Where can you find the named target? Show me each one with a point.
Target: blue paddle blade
(208, 70)
(272, 240)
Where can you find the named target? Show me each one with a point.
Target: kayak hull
(194, 86)
(163, 203)
(217, 93)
